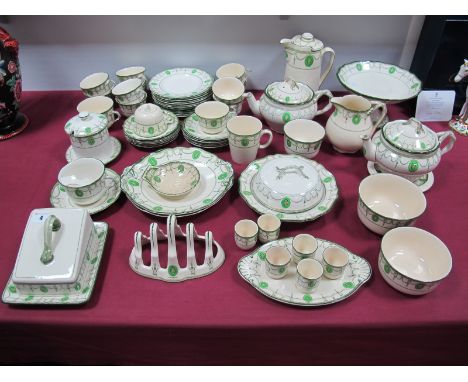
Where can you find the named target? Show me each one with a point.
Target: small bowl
(268, 227)
(277, 261)
(132, 72)
(308, 275)
(212, 116)
(228, 90)
(303, 137)
(387, 201)
(128, 91)
(413, 261)
(335, 260)
(173, 179)
(304, 247)
(96, 84)
(246, 234)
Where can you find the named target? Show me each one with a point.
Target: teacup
(335, 260)
(230, 91)
(83, 180)
(97, 84)
(232, 70)
(100, 105)
(129, 91)
(308, 275)
(246, 234)
(245, 133)
(128, 109)
(132, 72)
(304, 247)
(268, 227)
(277, 261)
(212, 116)
(149, 119)
(303, 137)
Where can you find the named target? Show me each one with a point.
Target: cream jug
(351, 120)
(304, 60)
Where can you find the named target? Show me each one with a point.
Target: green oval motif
(279, 215)
(196, 154)
(375, 218)
(329, 269)
(110, 200)
(180, 168)
(309, 61)
(281, 269)
(43, 289)
(413, 165)
(85, 290)
(223, 176)
(322, 208)
(356, 119)
(288, 142)
(91, 141)
(247, 193)
(348, 284)
(194, 70)
(61, 188)
(77, 286)
(245, 142)
(93, 260)
(151, 130)
(328, 179)
(172, 270)
(359, 66)
(87, 130)
(29, 298)
(157, 179)
(157, 208)
(133, 182)
(12, 289)
(214, 123)
(195, 117)
(65, 298)
(286, 117)
(79, 193)
(307, 298)
(263, 284)
(286, 202)
(391, 69)
(386, 268)
(414, 86)
(261, 255)
(419, 285)
(167, 72)
(207, 201)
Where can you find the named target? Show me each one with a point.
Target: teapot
(407, 148)
(304, 59)
(351, 119)
(285, 101)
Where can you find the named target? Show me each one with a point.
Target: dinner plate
(180, 83)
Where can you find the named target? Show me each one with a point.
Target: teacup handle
(330, 64)
(268, 142)
(318, 95)
(116, 115)
(377, 105)
(442, 137)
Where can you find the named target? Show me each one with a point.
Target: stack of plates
(194, 134)
(158, 140)
(180, 90)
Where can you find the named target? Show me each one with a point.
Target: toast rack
(173, 272)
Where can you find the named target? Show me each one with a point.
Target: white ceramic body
(97, 84)
(277, 114)
(212, 116)
(129, 91)
(229, 90)
(303, 137)
(148, 114)
(246, 234)
(232, 69)
(130, 108)
(413, 261)
(83, 180)
(277, 260)
(352, 119)
(304, 247)
(308, 275)
(388, 201)
(268, 228)
(244, 134)
(93, 142)
(234, 107)
(101, 105)
(132, 72)
(335, 260)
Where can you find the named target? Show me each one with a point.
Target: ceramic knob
(307, 36)
(148, 114)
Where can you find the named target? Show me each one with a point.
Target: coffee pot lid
(289, 92)
(307, 40)
(85, 124)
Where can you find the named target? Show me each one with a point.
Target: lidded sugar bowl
(407, 148)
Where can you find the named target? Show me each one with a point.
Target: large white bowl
(387, 201)
(413, 261)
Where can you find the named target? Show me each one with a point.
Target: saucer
(130, 128)
(59, 197)
(424, 183)
(105, 158)
(193, 128)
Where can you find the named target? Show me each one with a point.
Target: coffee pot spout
(254, 104)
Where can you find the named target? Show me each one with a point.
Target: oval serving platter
(252, 269)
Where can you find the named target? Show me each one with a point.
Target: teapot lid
(86, 124)
(307, 40)
(289, 92)
(410, 136)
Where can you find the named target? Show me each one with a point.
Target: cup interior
(93, 80)
(244, 125)
(228, 88)
(305, 243)
(246, 228)
(269, 222)
(355, 103)
(335, 256)
(392, 196)
(81, 172)
(126, 86)
(99, 104)
(230, 70)
(417, 254)
(304, 130)
(278, 256)
(130, 71)
(310, 269)
(212, 110)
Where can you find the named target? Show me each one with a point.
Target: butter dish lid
(53, 246)
(85, 124)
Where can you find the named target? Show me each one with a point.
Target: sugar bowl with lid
(407, 148)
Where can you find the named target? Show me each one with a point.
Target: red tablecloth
(220, 319)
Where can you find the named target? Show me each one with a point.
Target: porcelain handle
(51, 224)
(442, 137)
(116, 115)
(330, 64)
(270, 138)
(378, 105)
(318, 95)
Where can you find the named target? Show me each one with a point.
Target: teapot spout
(254, 104)
(368, 148)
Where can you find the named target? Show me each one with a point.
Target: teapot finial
(291, 83)
(417, 125)
(307, 36)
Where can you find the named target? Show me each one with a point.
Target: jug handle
(320, 93)
(377, 105)
(444, 135)
(330, 64)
